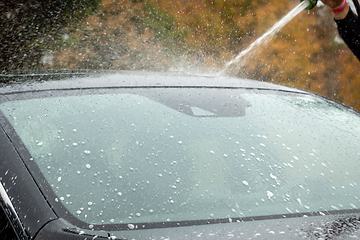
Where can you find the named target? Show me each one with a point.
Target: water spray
(312, 4)
(266, 37)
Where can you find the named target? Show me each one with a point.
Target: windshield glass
(172, 155)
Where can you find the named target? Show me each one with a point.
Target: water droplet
(88, 166)
(87, 152)
(273, 176)
(59, 179)
(334, 207)
(269, 194)
(131, 226)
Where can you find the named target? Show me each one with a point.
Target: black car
(141, 155)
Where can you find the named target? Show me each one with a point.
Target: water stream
(266, 37)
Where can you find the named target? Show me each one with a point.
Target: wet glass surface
(133, 157)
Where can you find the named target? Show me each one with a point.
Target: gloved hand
(340, 8)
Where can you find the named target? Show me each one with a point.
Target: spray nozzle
(312, 4)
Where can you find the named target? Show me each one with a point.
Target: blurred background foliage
(197, 36)
(29, 27)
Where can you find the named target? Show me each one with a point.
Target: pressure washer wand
(312, 4)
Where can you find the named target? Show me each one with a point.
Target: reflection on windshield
(127, 158)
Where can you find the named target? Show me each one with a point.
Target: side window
(6, 230)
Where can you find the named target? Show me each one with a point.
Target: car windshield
(165, 155)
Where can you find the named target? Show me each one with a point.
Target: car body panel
(84, 80)
(338, 226)
(21, 189)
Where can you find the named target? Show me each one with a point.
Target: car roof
(53, 80)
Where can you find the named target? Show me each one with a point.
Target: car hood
(339, 226)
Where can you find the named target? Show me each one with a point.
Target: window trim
(11, 214)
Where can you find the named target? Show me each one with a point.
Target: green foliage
(79, 9)
(29, 28)
(162, 24)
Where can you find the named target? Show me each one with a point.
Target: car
(146, 155)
